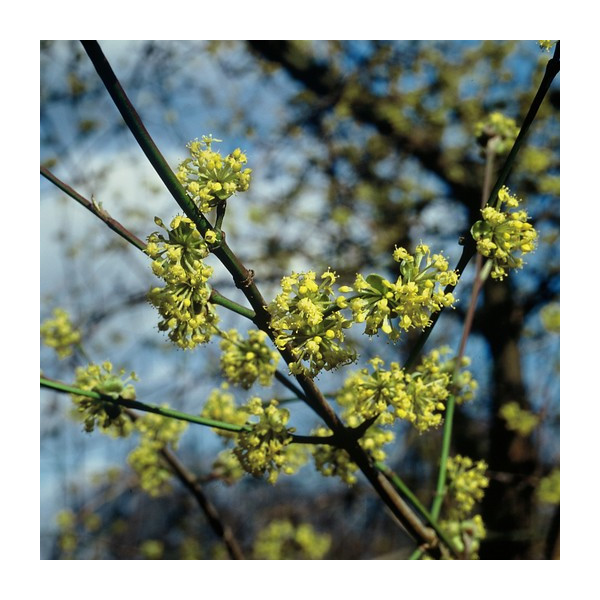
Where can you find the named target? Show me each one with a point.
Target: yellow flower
(264, 449)
(306, 316)
(210, 179)
(281, 540)
(183, 303)
(466, 484)
(104, 414)
(499, 130)
(146, 460)
(549, 488)
(245, 361)
(518, 419)
(501, 234)
(410, 300)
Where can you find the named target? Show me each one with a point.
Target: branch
(215, 297)
(64, 388)
(158, 410)
(244, 280)
(95, 209)
(552, 69)
(191, 482)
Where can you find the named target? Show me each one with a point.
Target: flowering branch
(215, 297)
(173, 414)
(469, 249)
(159, 410)
(244, 280)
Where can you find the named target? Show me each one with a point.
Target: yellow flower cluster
(501, 130)
(418, 397)
(263, 450)
(208, 177)
(220, 406)
(546, 44)
(465, 535)
(281, 540)
(416, 294)
(336, 462)
(549, 488)
(550, 315)
(245, 361)
(156, 434)
(305, 315)
(59, 333)
(502, 233)
(184, 301)
(518, 419)
(103, 414)
(152, 549)
(67, 538)
(466, 483)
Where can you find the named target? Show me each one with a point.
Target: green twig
(59, 386)
(218, 298)
(145, 141)
(159, 410)
(440, 490)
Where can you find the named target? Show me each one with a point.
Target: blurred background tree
(356, 147)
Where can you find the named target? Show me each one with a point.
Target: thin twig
(215, 296)
(192, 484)
(94, 208)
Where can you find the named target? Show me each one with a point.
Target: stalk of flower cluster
(477, 285)
(243, 278)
